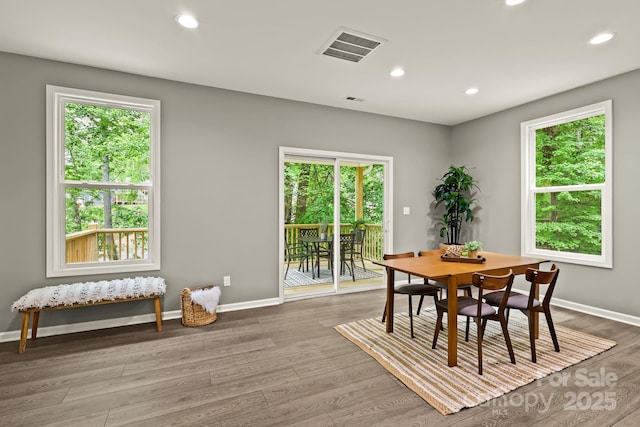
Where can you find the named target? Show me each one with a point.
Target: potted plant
(358, 224)
(472, 248)
(455, 192)
(323, 229)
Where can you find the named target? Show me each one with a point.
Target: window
(566, 186)
(103, 188)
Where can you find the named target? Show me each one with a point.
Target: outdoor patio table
(316, 241)
(431, 266)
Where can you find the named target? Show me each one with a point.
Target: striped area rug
(449, 390)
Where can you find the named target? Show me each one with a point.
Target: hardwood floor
(286, 366)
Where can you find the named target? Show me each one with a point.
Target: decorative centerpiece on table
(472, 248)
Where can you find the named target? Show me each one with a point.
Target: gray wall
(491, 145)
(219, 180)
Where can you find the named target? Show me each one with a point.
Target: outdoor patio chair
(294, 252)
(346, 254)
(358, 244)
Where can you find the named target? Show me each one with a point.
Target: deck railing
(106, 244)
(372, 249)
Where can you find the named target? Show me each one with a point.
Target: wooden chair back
(400, 255)
(486, 282)
(539, 278)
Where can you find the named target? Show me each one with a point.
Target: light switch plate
(406, 210)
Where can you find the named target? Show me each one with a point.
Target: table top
(431, 266)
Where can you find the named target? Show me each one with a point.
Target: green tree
(105, 144)
(571, 153)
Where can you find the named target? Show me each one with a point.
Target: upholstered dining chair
(529, 305)
(480, 311)
(411, 289)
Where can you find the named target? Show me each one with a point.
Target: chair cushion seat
(468, 306)
(416, 289)
(516, 300)
(442, 285)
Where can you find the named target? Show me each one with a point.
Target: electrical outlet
(227, 280)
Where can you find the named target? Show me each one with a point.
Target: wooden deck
(349, 284)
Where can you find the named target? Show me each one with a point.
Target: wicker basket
(194, 314)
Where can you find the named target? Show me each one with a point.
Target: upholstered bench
(86, 294)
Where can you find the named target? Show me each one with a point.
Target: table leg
(536, 315)
(390, 298)
(452, 320)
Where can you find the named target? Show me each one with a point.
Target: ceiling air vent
(351, 45)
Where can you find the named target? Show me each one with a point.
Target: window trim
(529, 188)
(56, 266)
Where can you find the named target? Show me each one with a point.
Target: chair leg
(438, 327)
(411, 316)
(466, 331)
(384, 313)
(435, 304)
(507, 338)
(552, 330)
(532, 334)
(480, 327)
(420, 304)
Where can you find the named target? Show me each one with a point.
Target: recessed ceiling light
(513, 2)
(397, 72)
(601, 38)
(471, 91)
(187, 21)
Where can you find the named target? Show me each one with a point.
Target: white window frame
(57, 266)
(529, 188)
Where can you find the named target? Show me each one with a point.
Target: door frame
(337, 157)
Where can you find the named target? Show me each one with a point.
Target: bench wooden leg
(23, 332)
(34, 325)
(156, 302)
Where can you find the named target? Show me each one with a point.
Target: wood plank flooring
(286, 366)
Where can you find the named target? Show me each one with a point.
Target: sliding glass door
(334, 221)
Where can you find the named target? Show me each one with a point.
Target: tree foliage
(106, 145)
(571, 153)
(308, 189)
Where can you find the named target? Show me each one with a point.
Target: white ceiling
(271, 47)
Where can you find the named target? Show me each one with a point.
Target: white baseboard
(177, 314)
(132, 320)
(595, 311)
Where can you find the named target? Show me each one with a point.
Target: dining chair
(411, 289)
(309, 248)
(346, 254)
(294, 252)
(480, 311)
(530, 305)
(358, 244)
(465, 287)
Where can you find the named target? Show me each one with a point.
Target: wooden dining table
(431, 266)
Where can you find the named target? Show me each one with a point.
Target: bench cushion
(90, 292)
